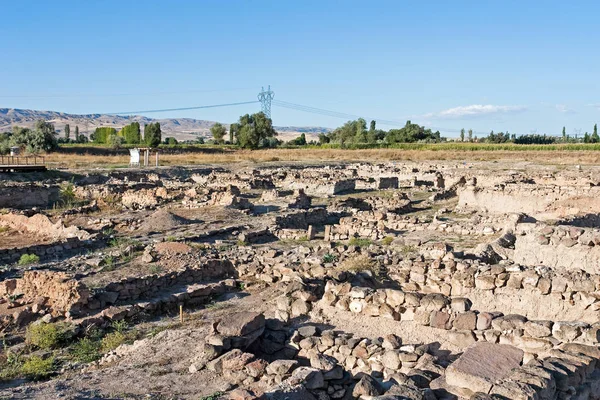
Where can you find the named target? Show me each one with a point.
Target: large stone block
(483, 364)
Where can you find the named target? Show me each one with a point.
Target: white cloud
(564, 109)
(596, 105)
(475, 110)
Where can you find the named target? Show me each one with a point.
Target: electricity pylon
(265, 100)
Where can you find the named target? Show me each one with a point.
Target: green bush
(38, 368)
(86, 350)
(114, 340)
(360, 242)
(387, 240)
(46, 336)
(329, 258)
(27, 259)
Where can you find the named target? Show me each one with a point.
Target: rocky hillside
(180, 128)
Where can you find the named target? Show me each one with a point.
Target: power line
(336, 114)
(182, 108)
(51, 96)
(322, 111)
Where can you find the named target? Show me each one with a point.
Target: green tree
(586, 138)
(41, 138)
(470, 135)
(131, 133)
(171, 141)
(361, 131)
(372, 126)
(564, 134)
(299, 141)
(255, 131)
(77, 138)
(152, 134)
(67, 132)
(218, 131)
(101, 134)
(462, 135)
(411, 133)
(595, 138)
(323, 139)
(115, 141)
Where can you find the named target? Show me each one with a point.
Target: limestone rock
(483, 364)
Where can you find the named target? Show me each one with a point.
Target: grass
(360, 242)
(155, 269)
(408, 249)
(359, 263)
(214, 396)
(158, 329)
(91, 347)
(27, 259)
(386, 241)
(329, 258)
(554, 154)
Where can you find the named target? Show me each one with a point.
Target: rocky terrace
(325, 281)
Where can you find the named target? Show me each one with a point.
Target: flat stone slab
(482, 364)
(241, 323)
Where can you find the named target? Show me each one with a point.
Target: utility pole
(265, 100)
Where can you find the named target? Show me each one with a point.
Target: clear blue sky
(504, 65)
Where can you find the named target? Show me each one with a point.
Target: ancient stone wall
(44, 251)
(63, 294)
(28, 196)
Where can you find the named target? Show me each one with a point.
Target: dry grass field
(555, 157)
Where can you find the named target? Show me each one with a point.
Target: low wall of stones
(442, 312)
(560, 247)
(377, 225)
(536, 292)
(291, 234)
(320, 187)
(45, 251)
(301, 219)
(28, 195)
(532, 199)
(145, 287)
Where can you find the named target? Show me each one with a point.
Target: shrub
(10, 365)
(27, 259)
(387, 240)
(360, 242)
(37, 368)
(359, 264)
(214, 396)
(155, 269)
(86, 350)
(112, 341)
(67, 194)
(329, 258)
(46, 336)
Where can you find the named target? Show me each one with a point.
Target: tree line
(254, 131)
(129, 134)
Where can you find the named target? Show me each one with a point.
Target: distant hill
(180, 128)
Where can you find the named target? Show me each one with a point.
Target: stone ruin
(338, 281)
